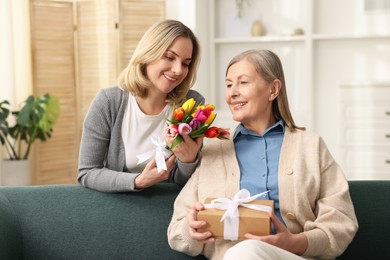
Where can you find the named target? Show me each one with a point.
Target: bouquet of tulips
(194, 121)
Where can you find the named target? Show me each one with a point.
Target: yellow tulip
(211, 118)
(189, 105)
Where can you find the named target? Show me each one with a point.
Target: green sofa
(72, 222)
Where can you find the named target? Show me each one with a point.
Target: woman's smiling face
(248, 95)
(172, 68)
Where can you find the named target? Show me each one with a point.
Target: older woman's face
(248, 94)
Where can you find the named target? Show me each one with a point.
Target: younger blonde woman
(122, 120)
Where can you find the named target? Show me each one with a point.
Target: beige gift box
(250, 221)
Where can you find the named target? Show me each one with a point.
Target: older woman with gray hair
(313, 215)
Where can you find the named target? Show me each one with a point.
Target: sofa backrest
(63, 222)
(10, 233)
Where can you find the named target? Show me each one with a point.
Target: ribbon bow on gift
(231, 216)
(160, 151)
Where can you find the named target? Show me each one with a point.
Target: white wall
(187, 11)
(6, 51)
(15, 53)
(344, 60)
(15, 64)
(6, 54)
(343, 44)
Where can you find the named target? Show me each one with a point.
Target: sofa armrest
(371, 203)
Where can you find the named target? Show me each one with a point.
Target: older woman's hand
(294, 243)
(194, 224)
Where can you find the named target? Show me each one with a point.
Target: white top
(137, 131)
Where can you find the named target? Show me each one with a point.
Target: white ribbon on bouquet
(160, 152)
(231, 216)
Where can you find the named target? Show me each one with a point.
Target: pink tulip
(184, 129)
(203, 114)
(172, 130)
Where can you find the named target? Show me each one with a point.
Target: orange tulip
(178, 114)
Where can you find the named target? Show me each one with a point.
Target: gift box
(256, 222)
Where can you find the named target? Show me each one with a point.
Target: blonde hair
(152, 46)
(269, 66)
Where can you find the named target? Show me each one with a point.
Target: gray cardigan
(102, 153)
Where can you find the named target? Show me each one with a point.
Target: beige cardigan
(313, 193)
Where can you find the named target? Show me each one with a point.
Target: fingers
(150, 176)
(194, 225)
(193, 216)
(279, 227)
(168, 138)
(270, 239)
(187, 150)
(151, 165)
(199, 206)
(205, 237)
(170, 162)
(251, 236)
(199, 141)
(186, 138)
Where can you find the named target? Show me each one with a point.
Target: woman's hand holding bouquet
(189, 124)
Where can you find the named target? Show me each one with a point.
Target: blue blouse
(258, 158)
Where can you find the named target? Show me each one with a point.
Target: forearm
(335, 224)
(106, 180)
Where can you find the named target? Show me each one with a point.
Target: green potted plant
(35, 120)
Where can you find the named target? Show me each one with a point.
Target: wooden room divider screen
(79, 47)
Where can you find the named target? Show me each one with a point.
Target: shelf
(351, 37)
(365, 84)
(266, 38)
(300, 38)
